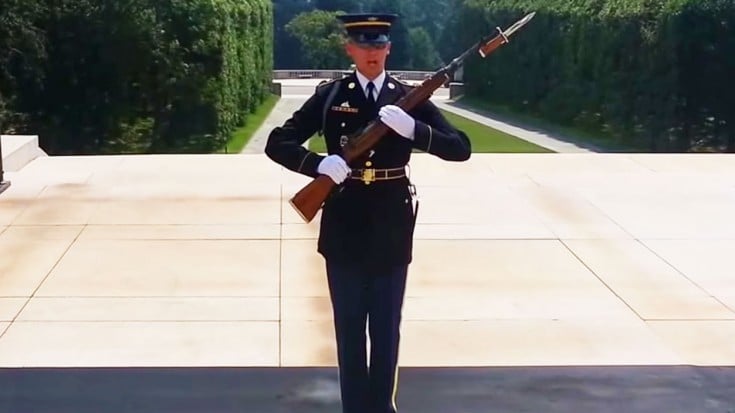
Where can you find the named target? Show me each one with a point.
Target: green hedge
(22, 54)
(142, 75)
(656, 74)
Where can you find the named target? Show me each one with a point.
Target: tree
(319, 34)
(399, 53)
(430, 15)
(284, 44)
(22, 56)
(447, 41)
(92, 76)
(422, 52)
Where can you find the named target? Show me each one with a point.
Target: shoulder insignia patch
(327, 83)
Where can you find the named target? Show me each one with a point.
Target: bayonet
(517, 25)
(504, 36)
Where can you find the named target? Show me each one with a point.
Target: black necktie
(370, 97)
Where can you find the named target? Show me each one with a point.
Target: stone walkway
(283, 110)
(520, 260)
(160, 283)
(177, 283)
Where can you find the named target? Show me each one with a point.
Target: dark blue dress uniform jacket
(365, 224)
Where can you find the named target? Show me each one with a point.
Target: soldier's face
(369, 60)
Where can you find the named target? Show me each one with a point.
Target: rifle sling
(333, 91)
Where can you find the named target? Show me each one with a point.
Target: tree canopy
(414, 35)
(318, 32)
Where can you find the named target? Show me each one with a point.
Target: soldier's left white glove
(398, 120)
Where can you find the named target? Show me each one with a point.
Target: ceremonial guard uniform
(367, 223)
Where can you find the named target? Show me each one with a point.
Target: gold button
(368, 164)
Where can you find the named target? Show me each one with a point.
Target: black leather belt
(371, 175)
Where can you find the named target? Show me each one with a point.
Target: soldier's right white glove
(335, 167)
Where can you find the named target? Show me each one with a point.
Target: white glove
(335, 167)
(398, 120)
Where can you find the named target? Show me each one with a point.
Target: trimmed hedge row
(145, 75)
(655, 74)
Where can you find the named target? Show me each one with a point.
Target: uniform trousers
(372, 297)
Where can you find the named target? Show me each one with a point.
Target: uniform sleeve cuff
(423, 135)
(310, 163)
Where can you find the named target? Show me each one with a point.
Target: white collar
(378, 82)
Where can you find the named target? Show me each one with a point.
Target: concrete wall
(456, 89)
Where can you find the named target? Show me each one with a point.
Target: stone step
(19, 150)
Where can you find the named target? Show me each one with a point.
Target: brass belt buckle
(368, 176)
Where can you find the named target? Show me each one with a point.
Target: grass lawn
(488, 140)
(484, 139)
(317, 144)
(596, 140)
(241, 136)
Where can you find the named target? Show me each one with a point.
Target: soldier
(367, 223)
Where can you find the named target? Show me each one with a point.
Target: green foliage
(319, 34)
(422, 52)
(485, 139)
(429, 15)
(650, 73)
(146, 75)
(400, 56)
(22, 56)
(240, 137)
(336, 5)
(283, 12)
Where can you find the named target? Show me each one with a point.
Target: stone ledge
(19, 150)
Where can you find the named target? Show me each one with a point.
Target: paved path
(538, 137)
(296, 91)
(285, 106)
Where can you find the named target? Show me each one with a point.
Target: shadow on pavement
(591, 389)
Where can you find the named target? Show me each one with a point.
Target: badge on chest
(345, 107)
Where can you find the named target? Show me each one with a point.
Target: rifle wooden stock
(310, 199)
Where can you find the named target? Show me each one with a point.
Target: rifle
(310, 199)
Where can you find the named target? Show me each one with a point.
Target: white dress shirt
(378, 82)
